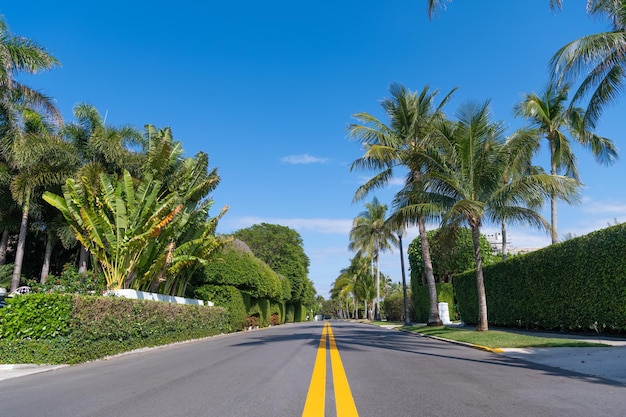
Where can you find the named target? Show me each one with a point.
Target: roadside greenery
(64, 328)
(576, 285)
(496, 339)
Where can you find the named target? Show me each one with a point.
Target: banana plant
(117, 221)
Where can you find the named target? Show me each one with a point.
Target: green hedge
(36, 316)
(242, 270)
(421, 300)
(96, 326)
(393, 307)
(228, 297)
(576, 285)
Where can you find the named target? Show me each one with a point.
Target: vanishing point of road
(309, 369)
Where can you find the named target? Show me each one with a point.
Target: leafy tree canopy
(282, 249)
(452, 252)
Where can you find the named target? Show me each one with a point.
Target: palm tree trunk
(21, 244)
(4, 242)
(433, 315)
(483, 324)
(377, 311)
(504, 248)
(553, 232)
(45, 269)
(83, 260)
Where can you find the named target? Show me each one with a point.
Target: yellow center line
(314, 406)
(343, 395)
(315, 401)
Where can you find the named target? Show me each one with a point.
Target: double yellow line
(315, 400)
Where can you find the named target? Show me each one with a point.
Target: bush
(421, 299)
(36, 316)
(229, 298)
(393, 307)
(575, 285)
(72, 282)
(53, 328)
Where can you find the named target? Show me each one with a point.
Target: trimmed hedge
(393, 307)
(421, 300)
(96, 327)
(246, 272)
(228, 297)
(577, 285)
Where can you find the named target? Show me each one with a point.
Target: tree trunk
(377, 308)
(553, 232)
(45, 269)
(504, 240)
(4, 242)
(433, 315)
(83, 260)
(483, 324)
(21, 244)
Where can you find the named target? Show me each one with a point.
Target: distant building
(495, 240)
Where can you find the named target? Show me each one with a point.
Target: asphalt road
(269, 373)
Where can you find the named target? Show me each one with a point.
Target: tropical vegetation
(389, 147)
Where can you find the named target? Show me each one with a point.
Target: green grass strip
(497, 339)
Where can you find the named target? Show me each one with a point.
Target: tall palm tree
(549, 113)
(600, 58)
(466, 161)
(392, 146)
(19, 55)
(41, 159)
(371, 234)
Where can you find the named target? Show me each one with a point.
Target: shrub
(421, 299)
(393, 307)
(54, 328)
(70, 281)
(575, 285)
(36, 316)
(228, 297)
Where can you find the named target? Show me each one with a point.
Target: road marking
(315, 401)
(314, 406)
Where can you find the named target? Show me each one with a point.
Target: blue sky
(268, 88)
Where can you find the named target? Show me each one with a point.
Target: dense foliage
(421, 300)
(282, 249)
(452, 252)
(575, 285)
(244, 271)
(56, 328)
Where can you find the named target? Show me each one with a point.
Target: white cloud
(303, 159)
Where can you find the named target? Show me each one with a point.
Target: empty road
(311, 369)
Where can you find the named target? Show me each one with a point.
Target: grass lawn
(495, 339)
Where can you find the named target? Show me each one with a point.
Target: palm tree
(466, 161)
(371, 234)
(555, 121)
(388, 147)
(20, 55)
(41, 159)
(600, 58)
(102, 149)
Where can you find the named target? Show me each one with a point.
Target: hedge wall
(228, 297)
(421, 300)
(577, 285)
(52, 328)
